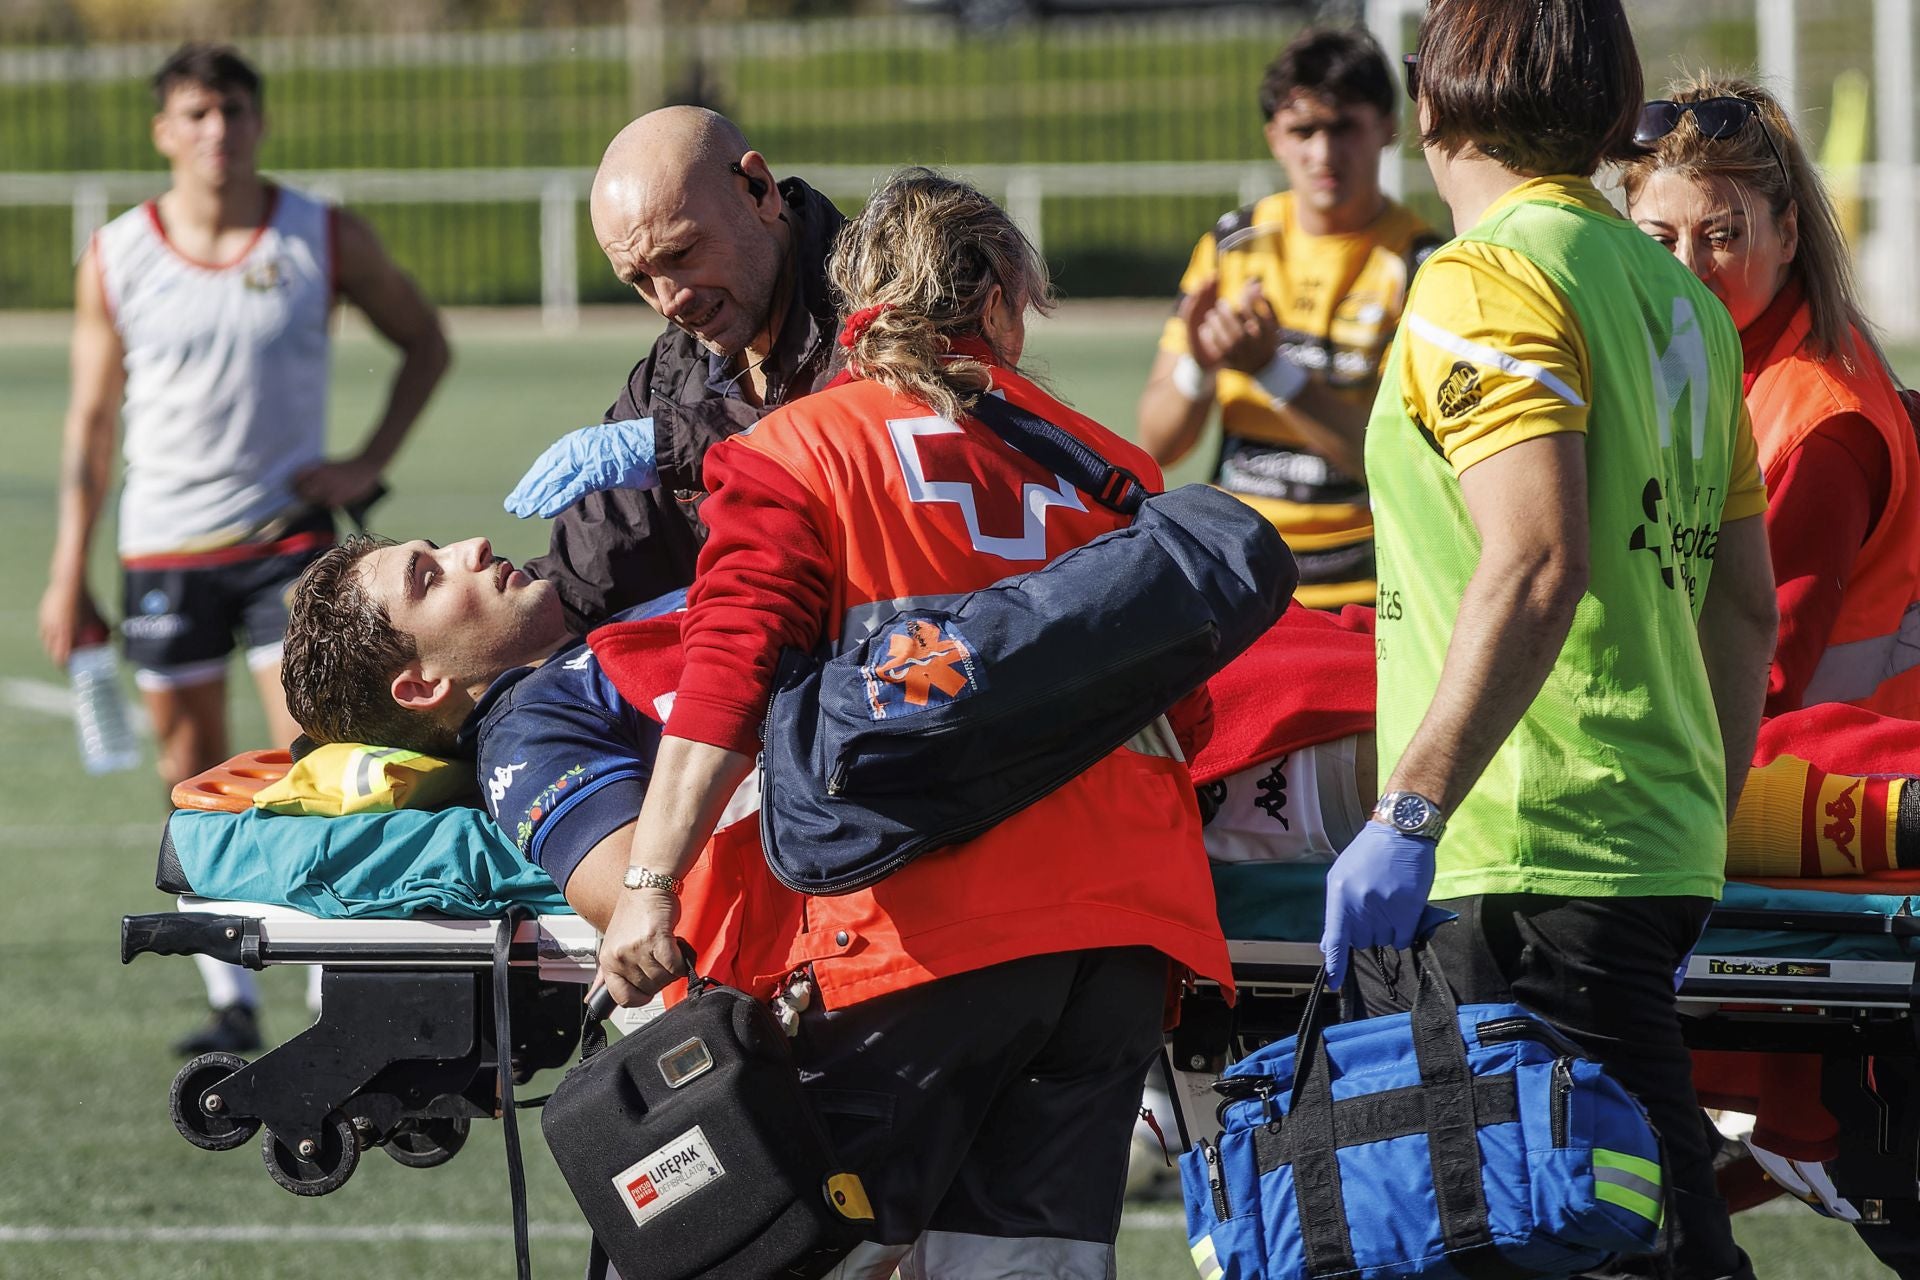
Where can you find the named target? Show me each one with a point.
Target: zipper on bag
(1562, 1099)
(1216, 1179)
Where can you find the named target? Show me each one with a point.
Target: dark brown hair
(1820, 260)
(1344, 63)
(218, 67)
(342, 653)
(1542, 86)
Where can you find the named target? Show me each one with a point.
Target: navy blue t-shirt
(562, 759)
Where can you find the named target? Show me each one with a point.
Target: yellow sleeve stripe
(1461, 347)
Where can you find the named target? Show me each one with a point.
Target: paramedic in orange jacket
(980, 1022)
(1728, 187)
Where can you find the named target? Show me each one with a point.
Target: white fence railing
(558, 192)
(1887, 259)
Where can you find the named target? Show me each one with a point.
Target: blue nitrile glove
(1377, 896)
(607, 455)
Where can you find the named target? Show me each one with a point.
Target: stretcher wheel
(316, 1172)
(209, 1129)
(429, 1143)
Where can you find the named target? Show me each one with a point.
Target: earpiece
(755, 187)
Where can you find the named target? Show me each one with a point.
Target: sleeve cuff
(715, 723)
(570, 835)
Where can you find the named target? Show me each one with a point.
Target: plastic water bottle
(100, 713)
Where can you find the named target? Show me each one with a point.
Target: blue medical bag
(943, 722)
(1448, 1141)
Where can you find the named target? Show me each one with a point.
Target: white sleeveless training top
(226, 373)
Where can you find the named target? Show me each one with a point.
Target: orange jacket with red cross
(825, 518)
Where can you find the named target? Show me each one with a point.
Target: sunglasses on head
(1410, 66)
(1715, 118)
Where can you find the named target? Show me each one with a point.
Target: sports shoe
(234, 1029)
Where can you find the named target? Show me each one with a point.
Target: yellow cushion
(346, 777)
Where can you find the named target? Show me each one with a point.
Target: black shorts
(182, 617)
(989, 1115)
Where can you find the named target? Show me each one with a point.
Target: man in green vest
(1575, 598)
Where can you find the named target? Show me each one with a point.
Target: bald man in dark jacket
(692, 219)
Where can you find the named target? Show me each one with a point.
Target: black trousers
(1602, 971)
(997, 1103)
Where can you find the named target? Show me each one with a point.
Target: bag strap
(1061, 452)
(503, 1063)
(1453, 1126)
(1324, 1229)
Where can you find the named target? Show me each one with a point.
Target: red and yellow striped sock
(1798, 820)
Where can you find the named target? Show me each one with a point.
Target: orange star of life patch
(928, 664)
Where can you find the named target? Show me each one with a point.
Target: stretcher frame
(406, 1092)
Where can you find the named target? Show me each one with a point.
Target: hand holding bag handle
(593, 1036)
(1453, 1144)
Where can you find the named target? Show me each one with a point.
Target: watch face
(1410, 812)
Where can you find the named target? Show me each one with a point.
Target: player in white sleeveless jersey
(202, 321)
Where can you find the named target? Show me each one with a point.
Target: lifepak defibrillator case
(693, 1151)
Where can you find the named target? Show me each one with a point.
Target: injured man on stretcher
(454, 652)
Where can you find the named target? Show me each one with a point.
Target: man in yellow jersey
(1285, 311)
(1575, 603)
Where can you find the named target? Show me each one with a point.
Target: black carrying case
(726, 1173)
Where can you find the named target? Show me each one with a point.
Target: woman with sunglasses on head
(1726, 185)
(1575, 599)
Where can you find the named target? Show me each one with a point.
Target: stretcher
(414, 1013)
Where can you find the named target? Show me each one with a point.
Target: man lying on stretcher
(453, 651)
(431, 647)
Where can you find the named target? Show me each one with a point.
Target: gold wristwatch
(641, 878)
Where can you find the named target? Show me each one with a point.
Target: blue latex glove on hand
(1377, 896)
(608, 455)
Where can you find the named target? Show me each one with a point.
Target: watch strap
(642, 878)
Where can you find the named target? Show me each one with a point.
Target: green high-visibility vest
(1613, 783)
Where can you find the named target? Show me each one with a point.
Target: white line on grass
(256, 1233)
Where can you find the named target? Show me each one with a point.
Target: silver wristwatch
(641, 878)
(1411, 814)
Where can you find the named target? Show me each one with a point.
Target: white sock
(227, 984)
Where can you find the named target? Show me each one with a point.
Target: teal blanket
(1284, 902)
(455, 862)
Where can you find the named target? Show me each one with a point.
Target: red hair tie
(858, 323)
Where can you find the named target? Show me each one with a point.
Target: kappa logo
(501, 780)
(1272, 800)
(1460, 393)
(1841, 830)
(927, 665)
(1034, 499)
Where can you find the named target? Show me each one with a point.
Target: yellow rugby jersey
(1338, 299)
(1494, 356)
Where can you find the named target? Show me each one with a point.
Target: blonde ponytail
(915, 271)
